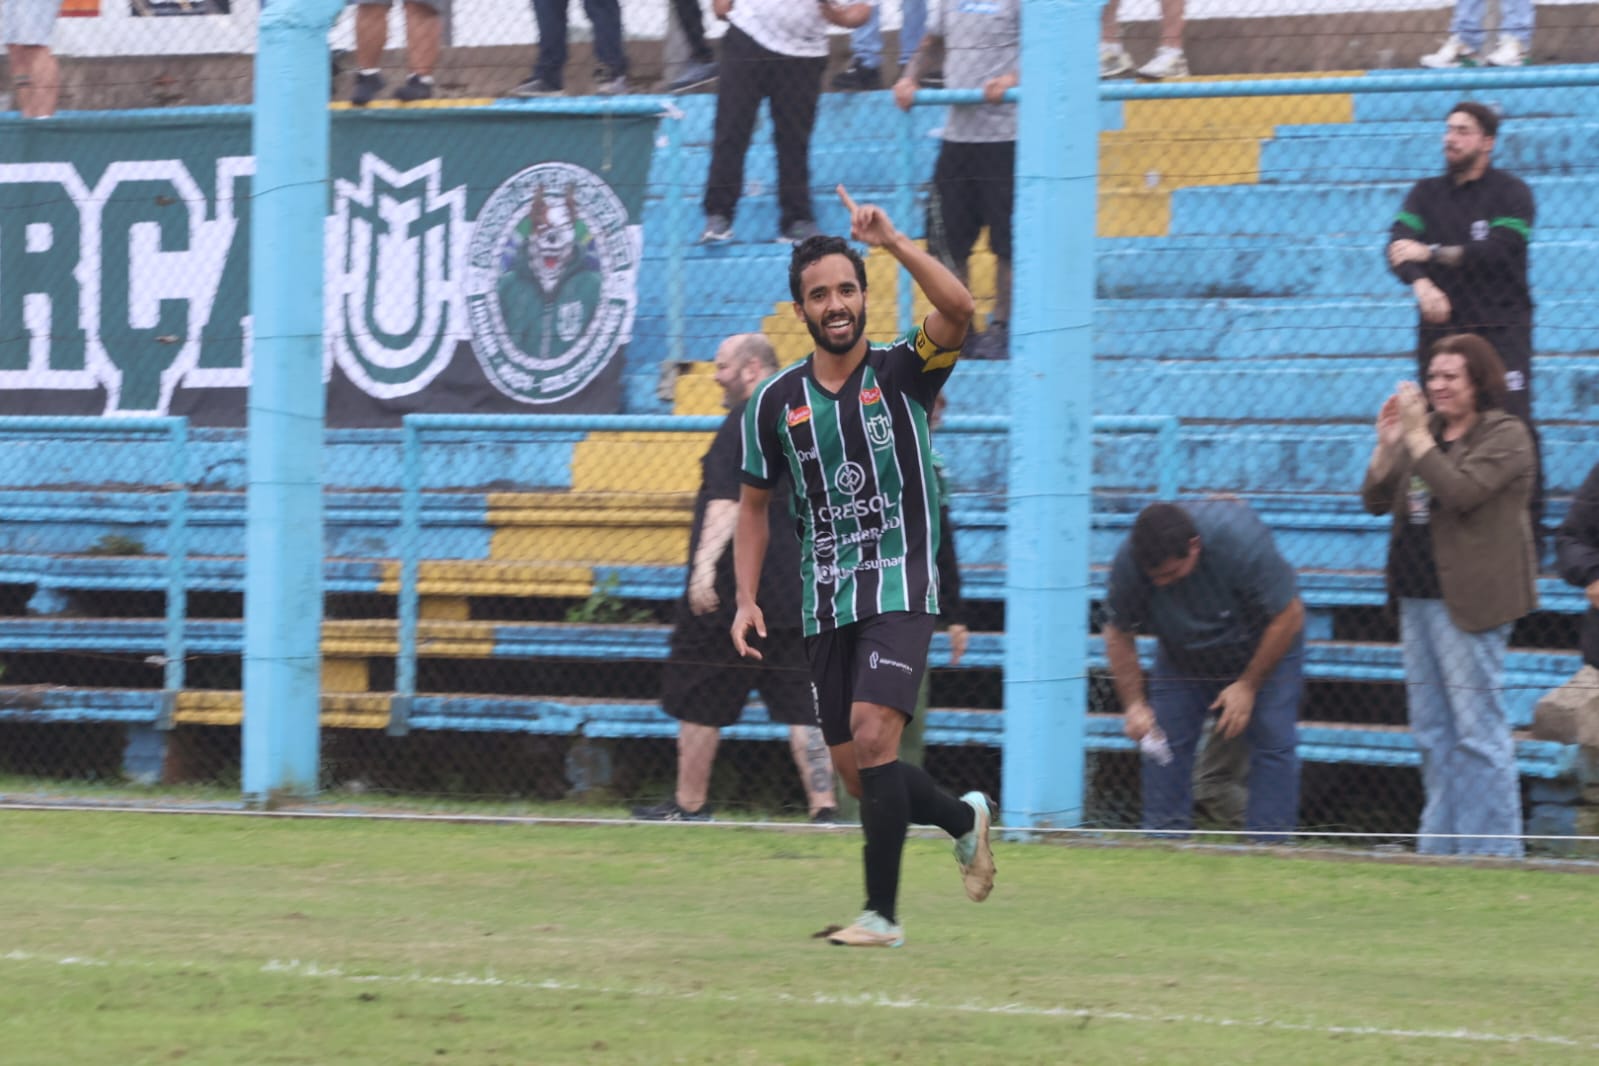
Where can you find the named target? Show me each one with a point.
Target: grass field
(129, 938)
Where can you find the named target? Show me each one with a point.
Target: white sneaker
(973, 852)
(1169, 62)
(1507, 52)
(1113, 60)
(1453, 53)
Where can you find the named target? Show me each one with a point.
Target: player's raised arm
(952, 301)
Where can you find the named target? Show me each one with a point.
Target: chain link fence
(577, 234)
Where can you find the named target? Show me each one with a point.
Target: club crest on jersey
(880, 431)
(798, 415)
(851, 478)
(871, 396)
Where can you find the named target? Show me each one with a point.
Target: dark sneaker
(416, 87)
(797, 231)
(668, 811)
(608, 82)
(534, 88)
(857, 77)
(692, 77)
(825, 816)
(367, 87)
(718, 230)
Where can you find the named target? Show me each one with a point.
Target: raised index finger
(843, 194)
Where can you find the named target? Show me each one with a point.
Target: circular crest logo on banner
(551, 282)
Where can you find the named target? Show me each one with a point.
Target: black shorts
(705, 682)
(975, 184)
(878, 660)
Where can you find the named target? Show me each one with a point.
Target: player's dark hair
(1487, 118)
(1162, 531)
(820, 246)
(1483, 366)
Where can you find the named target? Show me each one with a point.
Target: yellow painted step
(1140, 161)
(633, 528)
(1262, 113)
(365, 710)
(445, 583)
(1134, 213)
(346, 675)
(638, 462)
(348, 638)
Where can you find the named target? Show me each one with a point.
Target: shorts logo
(870, 396)
(874, 660)
(851, 478)
(798, 415)
(551, 282)
(880, 431)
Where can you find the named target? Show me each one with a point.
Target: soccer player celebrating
(850, 425)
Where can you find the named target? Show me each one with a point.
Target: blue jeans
(1457, 716)
(606, 18)
(1515, 20)
(866, 40)
(1182, 702)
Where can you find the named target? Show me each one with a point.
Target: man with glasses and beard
(850, 425)
(1460, 243)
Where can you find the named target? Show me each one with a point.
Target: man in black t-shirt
(849, 424)
(704, 683)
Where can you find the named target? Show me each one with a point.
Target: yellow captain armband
(932, 356)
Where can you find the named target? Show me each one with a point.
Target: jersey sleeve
(1509, 229)
(763, 450)
(920, 366)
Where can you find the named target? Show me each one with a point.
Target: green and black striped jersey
(865, 493)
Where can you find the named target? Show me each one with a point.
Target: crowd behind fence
(499, 598)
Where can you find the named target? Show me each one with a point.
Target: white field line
(294, 968)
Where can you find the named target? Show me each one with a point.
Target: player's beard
(819, 335)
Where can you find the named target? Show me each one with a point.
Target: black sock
(885, 816)
(931, 805)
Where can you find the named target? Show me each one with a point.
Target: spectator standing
(1461, 566)
(850, 421)
(774, 50)
(974, 180)
(1577, 555)
(1208, 582)
(865, 70)
(1168, 60)
(1460, 243)
(701, 66)
(422, 38)
(549, 69)
(1463, 48)
(26, 26)
(704, 684)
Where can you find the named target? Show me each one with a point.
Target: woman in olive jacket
(1462, 569)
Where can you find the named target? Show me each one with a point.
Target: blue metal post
(1051, 395)
(677, 235)
(410, 567)
(177, 555)
(283, 536)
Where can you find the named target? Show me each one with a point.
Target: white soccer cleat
(973, 851)
(871, 930)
